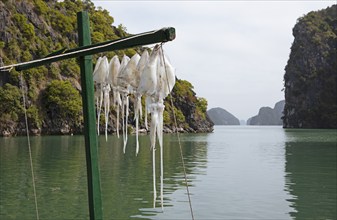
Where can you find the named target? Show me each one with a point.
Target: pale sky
(233, 52)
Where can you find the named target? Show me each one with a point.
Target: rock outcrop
(220, 116)
(310, 79)
(34, 29)
(268, 116)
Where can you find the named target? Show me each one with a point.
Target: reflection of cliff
(60, 178)
(311, 179)
(60, 173)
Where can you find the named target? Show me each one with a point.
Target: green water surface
(237, 172)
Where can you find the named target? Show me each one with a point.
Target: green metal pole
(91, 146)
(161, 35)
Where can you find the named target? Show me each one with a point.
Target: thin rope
(178, 135)
(74, 52)
(29, 148)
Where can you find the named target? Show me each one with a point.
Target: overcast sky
(233, 52)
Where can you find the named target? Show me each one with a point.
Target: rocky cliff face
(34, 29)
(268, 116)
(220, 116)
(310, 80)
(190, 107)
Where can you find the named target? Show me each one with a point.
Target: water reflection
(245, 175)
(59, 168)
(311, 173)
(234, 173)
(127, 188)
(60, 172)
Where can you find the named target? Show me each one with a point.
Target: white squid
(138, 97)
(125, 77)
(157, 81)
(166, 81)
(114, 67)
(100, 76)
(151, 76)
(148, 80)
(97, 79)
(147, 86)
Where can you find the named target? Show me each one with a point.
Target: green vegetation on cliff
(33, 29)
(311, 73)
(63, 103)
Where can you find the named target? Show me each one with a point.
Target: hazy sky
(233, 52)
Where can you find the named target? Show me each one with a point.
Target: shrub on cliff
(10, 97)
(63, 103)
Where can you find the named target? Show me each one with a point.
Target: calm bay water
(234, 173)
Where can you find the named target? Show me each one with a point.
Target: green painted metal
(91, 145)
(151, 37)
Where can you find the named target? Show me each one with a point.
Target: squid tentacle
(106, 98)
(99, 110)
(126, 120)
(154, 176)
(123, 124)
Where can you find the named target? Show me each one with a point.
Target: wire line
(178, 135)
(29, 148)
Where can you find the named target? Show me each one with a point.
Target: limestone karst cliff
(220, 116)
(34, 29)
(310, 79)
(268, 116)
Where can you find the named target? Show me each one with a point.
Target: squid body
(151, 76)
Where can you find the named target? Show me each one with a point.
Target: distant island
(310, 79)
(220, 116)
(268, 115)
